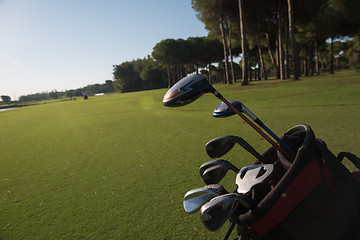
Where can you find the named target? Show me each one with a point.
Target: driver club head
(219, 209)
(194, 199)
(187, 90)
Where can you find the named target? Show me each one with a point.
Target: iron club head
(217, 211)
(215, 174)
(194, 199)
(218, 147)
(211, 163)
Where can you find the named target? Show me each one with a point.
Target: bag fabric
(312, 197)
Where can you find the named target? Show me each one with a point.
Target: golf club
(222, 110)
(250, 176)
(215, 174)
(211, 163)
(217, 211)
(194, 86)
(194, 199)
(218, 147)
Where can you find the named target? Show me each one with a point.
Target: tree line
(92, 89)
(294, 33)
(277, 38)
(272, 38)
(171, 60)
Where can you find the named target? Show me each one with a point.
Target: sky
(48, 45)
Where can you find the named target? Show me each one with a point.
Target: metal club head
(216, 212)
(215, 174)
(211, 163)
(218, 147)
(194, 199)
(222, 110)
(187, 90)
(250, 176)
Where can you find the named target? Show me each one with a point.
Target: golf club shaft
(267, 138)
(281, 142)
(232, 226)
(263, 126)
(249, 148)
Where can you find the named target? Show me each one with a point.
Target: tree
(166, 52)
(149, 74)
(109, 87)
(127, 77)
(243, 44)
(347, 13)
(225, 46)
(138, 75)
(353, 53)
(212, 53)
(294, 51)
(5, 99)
(344, 21)
(216, 15)
(54, 94)
(261, 57)
(280, 42)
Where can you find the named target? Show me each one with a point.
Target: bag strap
(352, 157)
(332, 162)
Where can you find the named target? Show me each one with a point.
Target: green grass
(118, 166)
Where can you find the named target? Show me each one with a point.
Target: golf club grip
(267, 138)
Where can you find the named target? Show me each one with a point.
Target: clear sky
(50, 45)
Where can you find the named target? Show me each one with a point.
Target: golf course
(117, 166)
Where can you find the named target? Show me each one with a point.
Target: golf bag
(313, 197)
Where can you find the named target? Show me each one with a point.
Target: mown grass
(118, 166)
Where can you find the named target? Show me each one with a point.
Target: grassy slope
(117, 167)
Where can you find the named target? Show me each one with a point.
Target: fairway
(118, 166)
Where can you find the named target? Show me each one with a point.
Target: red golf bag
(313, 197)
